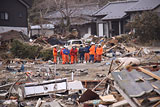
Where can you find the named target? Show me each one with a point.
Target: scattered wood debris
(127, 76)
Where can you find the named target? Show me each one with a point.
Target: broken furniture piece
(44, 88)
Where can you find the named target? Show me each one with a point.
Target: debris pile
(129, 75)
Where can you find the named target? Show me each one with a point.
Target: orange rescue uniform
(86, 55)
(63, 56)
(92, 50)
(55, 55)
(73, 53)
(99, 52)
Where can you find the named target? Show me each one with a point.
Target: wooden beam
(120, 103)
(149, 73)
(100, 83)
(111, 48)
(104, 77)
(39, 102)
(157, 104)
(152, 99)
(110, 67)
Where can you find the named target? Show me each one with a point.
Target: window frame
(4, 16)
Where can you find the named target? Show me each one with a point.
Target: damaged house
(112, 18)
(14, 15)
(80, 18)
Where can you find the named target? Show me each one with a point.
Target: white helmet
(65, 46)
(55, 45)
(92, 43)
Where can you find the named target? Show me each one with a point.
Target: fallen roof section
(128, 82)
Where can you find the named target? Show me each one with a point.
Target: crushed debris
(128, 75)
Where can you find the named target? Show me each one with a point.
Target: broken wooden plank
(90, 84)
(152, 99)
(100, 83)
(108, 99)
(156, 84)
(120, 103)
(10, 89)
(39, 102)
(6, 86)
(51, 104)
(107, 75)
(157, 104)
(111, 48)
(149, 73)
(110, 67)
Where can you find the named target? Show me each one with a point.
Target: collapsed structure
(127, 75)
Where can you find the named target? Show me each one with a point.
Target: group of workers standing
(89, 53)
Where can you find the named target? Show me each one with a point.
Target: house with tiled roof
(144, 5)
(112, 18)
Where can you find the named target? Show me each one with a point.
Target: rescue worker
(55, 54)
(92, 52)
(95, 55)
(81, 53)
(62, 54)
(99, 52)
(66, 55)
(73, 53)
(86, 55)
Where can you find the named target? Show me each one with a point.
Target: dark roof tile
(143, 5)
(114, 10)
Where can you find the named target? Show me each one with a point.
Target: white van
(74, 42)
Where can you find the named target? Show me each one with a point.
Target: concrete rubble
(129, 75)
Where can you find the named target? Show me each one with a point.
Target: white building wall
(157, 9)
(6, 29)
(106, 30)
(100, 29)
(47, 32)
(89, 30)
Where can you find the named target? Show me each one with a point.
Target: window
(76, 42)
(20, 15)
(3, 15)
(68, 43)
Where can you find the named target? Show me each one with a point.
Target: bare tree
(63, 7)
(39, 10)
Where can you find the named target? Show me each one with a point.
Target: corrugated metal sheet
(142, 5)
